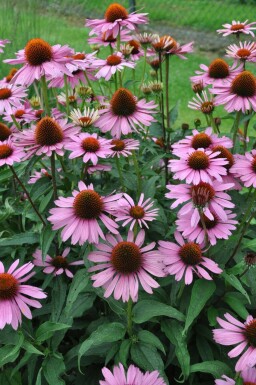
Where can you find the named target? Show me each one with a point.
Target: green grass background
(62, 21)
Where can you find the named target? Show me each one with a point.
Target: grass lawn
(56, 23)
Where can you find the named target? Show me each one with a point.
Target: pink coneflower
(216, 228)
(133, 377)
(73, 98)
(56, 265)
(184, 259)
(146, 38)
(48, 135)
(248, 376)
(108, 40)
(124, 265)
(234, 332)
(198, 166)
(180, 50)
(40, 59)
(23, 113)
(13, 300)
(204, 197)
(10, 95)
(3, 43)
(205, 139)
(132, 213)
(116, 17)
(79, 215)
(124, 113)
(244, 52)
(38, 175)
(113, 63)
(124, 147)
(218, 73)
(89, 146)
(9, 153)
(99, 167)
(202, 102)
(238, 94)
(5, 132)
(245, 168)
(84, 118)
(132, 49)
(237, 27)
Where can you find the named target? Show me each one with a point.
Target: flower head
(133, 377)
(123, 147)
(90, 146)
(185, 259)
(202, 103)
(245, 168)
(109, 40)
(55, 265)
(124, 265)
(234, 332)
(132, 213)
(244, 52)
(198, 166)
(9, 153)
(116, 18)
(5, 132)
(10, 95)
(248, 376)
(3, 43)
(80, 214)
(40, 59)
(180, 50)
(84, 118)
(110, 65)
(13, 294)
(237, 27)
(238, 94)
(124, 113)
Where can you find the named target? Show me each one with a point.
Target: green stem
(201, 214)
(27, 194)
(66, 93)
(235, 128)
(133, 79)
(89, 83)
(136, 166)
(55, 194)
(167, 90)
(15, 122)
(144, 67)
(213, 124)
(116, 84)
(129, 317)
(119, 169)
(45, 96)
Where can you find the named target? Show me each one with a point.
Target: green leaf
(173, 332)
(46, 238)
(53, 367)
(45, 201)
(111, 332)
(174, 112)
(58, 298)
(30, 348)
(111, 353)
(236, 304)
(147, 309)
(124, 351)
(146, 357)
(204, 349)
(239, 381)
(216, 368)
(234, 281)
(212, 314)
(149, 187)
(20, 239)
(39, 378)
(201, 292)
(79, 282)
(156, 129)
(47, 330)
(151, 339)
(10, 353)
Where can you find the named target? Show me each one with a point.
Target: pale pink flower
(110, 65)
(243, 335)
(3, 43)
(245, 168)
(216, 228)
(124, 147)
(218, 73)
(198, 165)
(248, 376)
(244, 51)
(40, 59)
(84, 118)
(13, 294)
(184, 259)
(89, 146)
(55, 265)
(205, 139)
(23, 113)
(202, 102)
(116, 18)
(204, 196)
(79, 215)
(9, 153)
(38, 175)
(99, 167)
(237, 27)
(180, 50)
(103, 40)
(133, 377)
(10, 95)
(238, 94)
(124, 113)
(132, 49)
(132, 213)
(49, 134)
(124, 265)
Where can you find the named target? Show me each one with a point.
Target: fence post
(132, 5)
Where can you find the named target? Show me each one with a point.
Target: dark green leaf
(124, 351)
(147, 309)
(47, 329)
(236, 303)
(216, 368)
(46, 238)
(31, 348)
(53, 367)
(146, 357)
(10, 353)
(234, 281)
(20, 239)
(151, 339)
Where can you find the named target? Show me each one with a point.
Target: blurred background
(62, 21)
